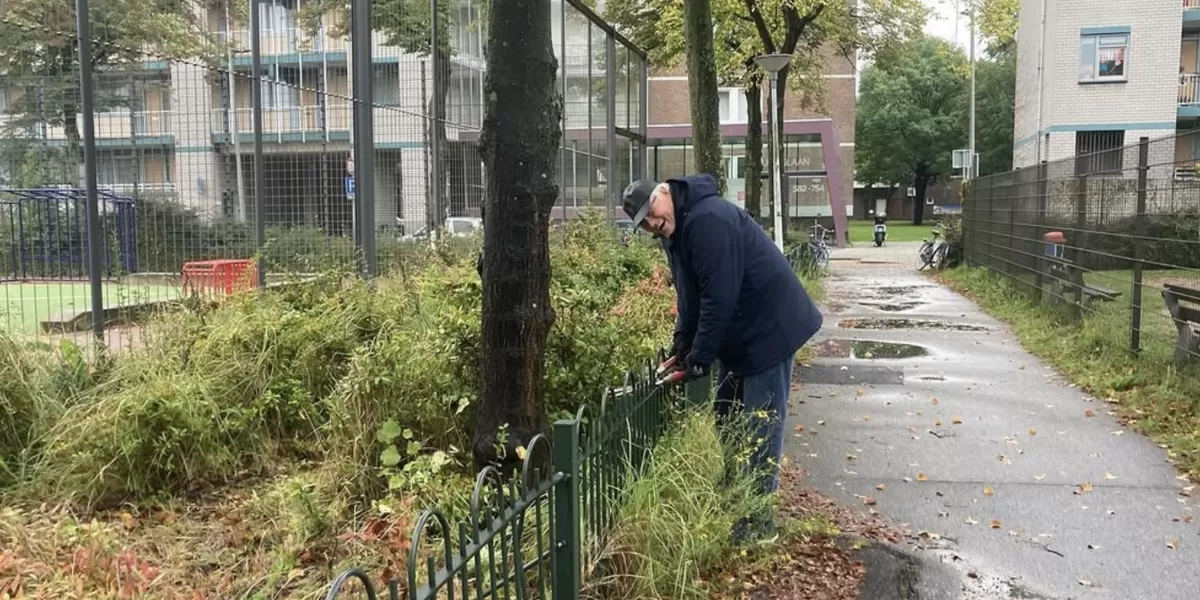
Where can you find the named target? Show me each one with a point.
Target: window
(1102, 57)
(117, 168)
(733, 106)
(386, 85)
(277, 15)
(1099, 152)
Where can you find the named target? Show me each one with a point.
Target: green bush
(315, 370)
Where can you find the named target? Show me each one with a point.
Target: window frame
(1091, 42)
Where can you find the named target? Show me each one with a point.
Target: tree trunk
(702, 89)
(754, 152)
(920, 182)
(437, 128)
(520, 138)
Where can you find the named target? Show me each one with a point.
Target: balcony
(114, 128)
(288, 124)
(283, 44)
(1191, 15)
(1189, 95)
(143, 189)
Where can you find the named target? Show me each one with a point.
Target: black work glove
(693, 370)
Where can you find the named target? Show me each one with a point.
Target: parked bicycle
(933, 252)
(818, 246)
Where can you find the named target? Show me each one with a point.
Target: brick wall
(1143, 105)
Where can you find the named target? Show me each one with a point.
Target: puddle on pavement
(898, 323)
(892, 306)
(868, 349)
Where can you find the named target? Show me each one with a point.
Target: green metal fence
(538, 535)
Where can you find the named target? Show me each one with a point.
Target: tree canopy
(912, 116)
(995, 94)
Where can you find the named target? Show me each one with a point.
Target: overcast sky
(942, 24)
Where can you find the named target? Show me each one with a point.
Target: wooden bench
(1066, 275)
(1187, 320)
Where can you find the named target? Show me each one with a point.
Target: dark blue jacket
(739, 299)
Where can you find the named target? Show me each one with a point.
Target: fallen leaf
(881, 487)
(907, 479)
(1089, 413)
(1004, 459)
(1093, 546)
(798, 428)
(851, 457)
(937, 423)
(1117, 432)
(1039, 477)
(1173, 544)
(1109, 476)
(922, 477)
(859, 392)
(1084, 582)
(869, 500)
(1032, 431)
(987, 491)
(970, 521)
(995, 523)
(956, 420)
(821, 422)
(934, 401)
(1084, 488)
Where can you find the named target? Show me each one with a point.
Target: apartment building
(1093, 78)
(184, 130)
(818, 141)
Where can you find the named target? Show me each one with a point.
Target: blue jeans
(765, 393)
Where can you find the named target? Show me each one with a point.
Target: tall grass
(678, 518)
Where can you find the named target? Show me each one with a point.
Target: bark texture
(754, 152)
(521, 133)
(702, 89)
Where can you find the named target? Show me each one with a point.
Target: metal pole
(776, 161)
(95, 234)
(364, 135)
(971, 142)
(1139, 245)
(234, 132)
(260, 200)
(435, 163)
(610, 135)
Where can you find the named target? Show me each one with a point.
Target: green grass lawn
(862, 232)
(1147, 389)
(23, 306)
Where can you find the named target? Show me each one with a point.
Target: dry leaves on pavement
(801, 567)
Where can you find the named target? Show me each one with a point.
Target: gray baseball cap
(636, 200)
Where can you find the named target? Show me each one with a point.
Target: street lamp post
(773, 64)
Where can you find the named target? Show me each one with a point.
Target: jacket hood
(687, 191)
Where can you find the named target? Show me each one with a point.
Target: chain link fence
(210, 178)
(1111, 235)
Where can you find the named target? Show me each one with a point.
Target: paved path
(1018, 484)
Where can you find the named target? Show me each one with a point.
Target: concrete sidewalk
(1016, 483)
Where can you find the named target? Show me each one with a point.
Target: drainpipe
(1041, 83)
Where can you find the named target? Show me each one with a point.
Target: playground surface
(25, 304)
